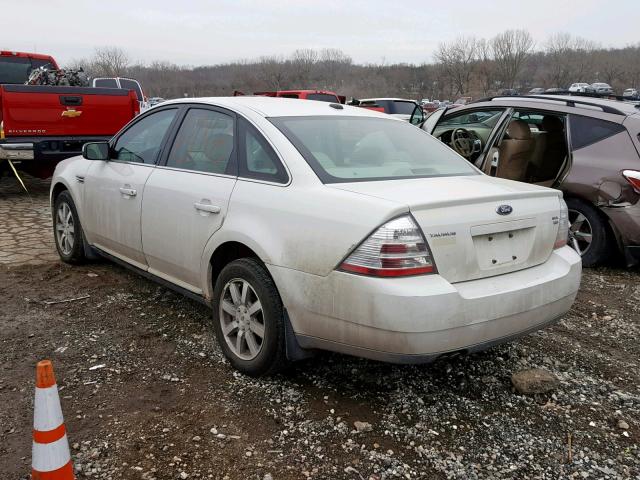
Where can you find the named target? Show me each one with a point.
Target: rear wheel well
(227, 253)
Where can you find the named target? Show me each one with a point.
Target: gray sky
(199, 32)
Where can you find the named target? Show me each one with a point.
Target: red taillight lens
(396, 249)
(633, 177)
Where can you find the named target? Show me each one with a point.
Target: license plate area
(505, 244)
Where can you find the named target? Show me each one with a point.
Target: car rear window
(587, 130)
(352, 149)
(400, 107)
(16, 70)
(323, 97)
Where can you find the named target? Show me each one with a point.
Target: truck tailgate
(35, 110)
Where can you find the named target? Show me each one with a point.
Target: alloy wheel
(242, 319)
(580, 232)
(65, 229)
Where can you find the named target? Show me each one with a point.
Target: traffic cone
(51, 459)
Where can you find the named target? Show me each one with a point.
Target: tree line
(464, 66)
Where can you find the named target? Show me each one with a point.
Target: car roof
(572, 101)
(282, 107)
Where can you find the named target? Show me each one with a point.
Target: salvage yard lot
(147, 393)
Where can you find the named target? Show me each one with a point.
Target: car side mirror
(417, 117)
(96, 151)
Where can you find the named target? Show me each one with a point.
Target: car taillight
(396, 249)
(633, 177)
(563, 226)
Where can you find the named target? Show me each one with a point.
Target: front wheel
(67, 230)
(588, 232)
(248, 318)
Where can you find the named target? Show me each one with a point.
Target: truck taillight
(563, 226)
(633, 177)
(396, 249)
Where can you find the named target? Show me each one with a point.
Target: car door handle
(128, 191)
(206, 207)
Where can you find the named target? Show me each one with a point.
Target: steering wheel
(464, 142)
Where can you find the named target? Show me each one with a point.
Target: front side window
(204, 142)
(587, 130)
(347, 149)
(258, 160)
(141, 142)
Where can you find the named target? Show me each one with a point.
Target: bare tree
(511, 49)
(458, 60)
(109, 62)
(272, 70)
(485, 68)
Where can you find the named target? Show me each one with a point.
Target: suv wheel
(248, 318)
(588, 232)
(67, 230)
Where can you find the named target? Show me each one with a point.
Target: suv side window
(142, 141)
(587, 130)
(204, 142)
(258, 160)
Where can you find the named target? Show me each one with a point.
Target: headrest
(551, 123)
(518, 130)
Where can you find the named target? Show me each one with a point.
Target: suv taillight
(396, 249)
(633, 177)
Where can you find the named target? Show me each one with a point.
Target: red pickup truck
(41, 125)
(319, 95)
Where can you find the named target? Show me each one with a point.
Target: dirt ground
(147, 394)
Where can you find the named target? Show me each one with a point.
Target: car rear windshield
(400, 107)
(323, 97)
(352, 149)
(132, 85)
(17, 69)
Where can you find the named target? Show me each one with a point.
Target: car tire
(585, 220)
(67, 230)
(238, 287)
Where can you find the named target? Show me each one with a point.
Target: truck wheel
(67, 230)
(588, 232)
(248, 318)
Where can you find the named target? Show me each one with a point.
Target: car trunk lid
(468, 237)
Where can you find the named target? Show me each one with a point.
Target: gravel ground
(147, 394)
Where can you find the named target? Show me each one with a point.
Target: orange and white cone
(51, 459)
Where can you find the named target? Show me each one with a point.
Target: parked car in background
(586, 147)
(510, 92)
(127, 84)
(153, 101)
(536, 91)
(602, 88)
(553, 90)
(463, 100)
(631, 94)
(318, 95)
(429, 107)
(41, 125)
(580, 88)
(398, 107)
(307, 225)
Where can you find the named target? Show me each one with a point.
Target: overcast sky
(200, 32)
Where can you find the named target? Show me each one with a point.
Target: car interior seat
(515, 150)
(555, 152)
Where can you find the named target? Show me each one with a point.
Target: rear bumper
(626, 222)
(417, 319)
(16, 151)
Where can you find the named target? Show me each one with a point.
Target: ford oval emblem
(504, 210)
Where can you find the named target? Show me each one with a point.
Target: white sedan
(307, 225)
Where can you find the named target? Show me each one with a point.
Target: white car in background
(580, 87)
(127, 84)
(313, 225)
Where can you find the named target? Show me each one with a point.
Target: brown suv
(587, 147)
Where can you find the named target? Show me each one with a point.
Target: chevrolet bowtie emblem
(72, 113)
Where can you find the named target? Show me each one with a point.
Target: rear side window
(204, 143)
(106, 83)
(132, 85)
(257, 158)
(587, 130)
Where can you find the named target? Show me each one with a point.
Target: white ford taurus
(307, 225)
